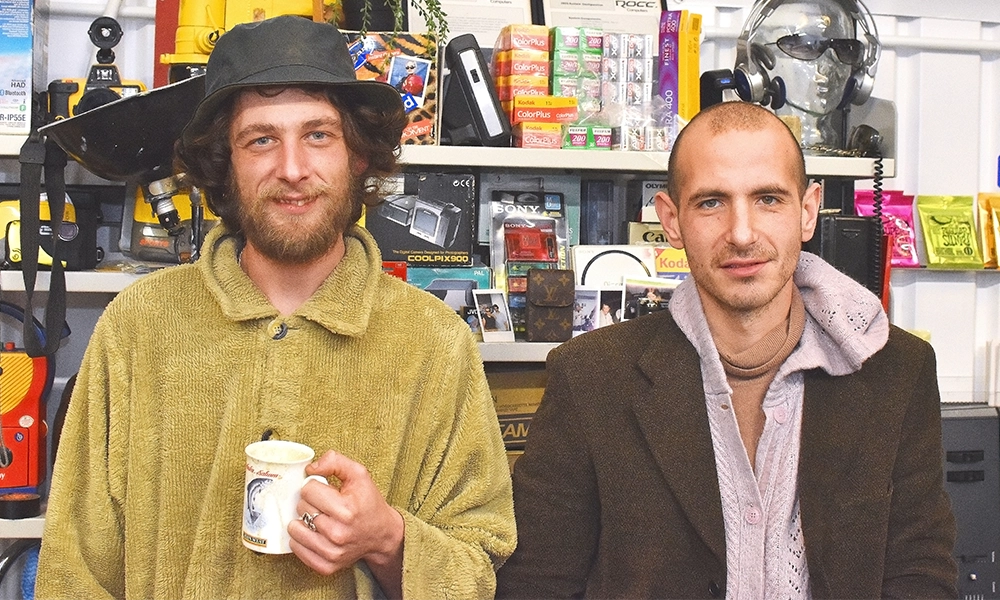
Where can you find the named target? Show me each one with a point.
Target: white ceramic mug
(275, 473)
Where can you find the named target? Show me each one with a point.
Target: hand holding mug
(342, 525)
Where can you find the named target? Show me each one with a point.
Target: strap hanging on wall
(38, 155)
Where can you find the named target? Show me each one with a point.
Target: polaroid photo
(408, 74)
(644, 295)
(609, 308)
(494, 315)
(585, 305)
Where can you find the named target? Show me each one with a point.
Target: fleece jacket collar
(343, 304)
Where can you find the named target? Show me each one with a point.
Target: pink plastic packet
(897, 222)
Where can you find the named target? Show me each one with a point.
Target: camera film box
(428, 222)
(22, 33)
(517, 392)
(407, 62)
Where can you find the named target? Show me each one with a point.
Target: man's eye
(318, 135)
(769, 200)
(261, 141)
(711, 203)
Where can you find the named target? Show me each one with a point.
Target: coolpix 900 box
(428, 222)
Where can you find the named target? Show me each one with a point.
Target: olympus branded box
(428, 222)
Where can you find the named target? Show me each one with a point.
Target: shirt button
(752, 515)
(714, 590)
(278, 330)
(781, 414)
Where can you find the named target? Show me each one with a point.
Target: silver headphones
(753, 60)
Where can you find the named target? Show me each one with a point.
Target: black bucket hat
(285, 50)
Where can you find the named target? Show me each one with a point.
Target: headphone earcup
(776, 91)
(750, 86)
(849, 92)
(762, 55)
(864, 83)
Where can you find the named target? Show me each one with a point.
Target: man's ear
(667, 211)
(810, 210)
(359, 165)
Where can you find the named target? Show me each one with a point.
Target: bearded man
(287, 328)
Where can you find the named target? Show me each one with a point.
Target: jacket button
(278, 330)
(713, 589)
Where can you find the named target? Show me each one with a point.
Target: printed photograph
(645, 295)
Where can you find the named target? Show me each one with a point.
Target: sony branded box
(428, 221)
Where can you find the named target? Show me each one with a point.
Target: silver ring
(309, 520)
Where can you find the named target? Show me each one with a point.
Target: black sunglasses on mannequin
(810, 47)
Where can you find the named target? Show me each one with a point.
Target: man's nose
(742, 230)
(292, 167)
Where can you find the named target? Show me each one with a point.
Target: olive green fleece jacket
(190, 364)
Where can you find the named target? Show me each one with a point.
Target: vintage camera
(70, 97)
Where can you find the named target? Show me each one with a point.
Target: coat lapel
(835, 411)
(674, 421)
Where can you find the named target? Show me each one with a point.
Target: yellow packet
(949, 228)
(989, 202)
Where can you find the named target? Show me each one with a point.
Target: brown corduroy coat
(616, 495)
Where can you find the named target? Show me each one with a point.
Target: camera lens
(105, 32)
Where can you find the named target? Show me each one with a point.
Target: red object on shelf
(163, 39)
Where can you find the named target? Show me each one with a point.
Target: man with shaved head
(770, 435)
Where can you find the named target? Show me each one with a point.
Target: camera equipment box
(407, 62)
(78, 232)
(453, 285)
(606, 266)
(428, 222)
(23, 33)
(517, 391)
(567, 185)
(639, 203)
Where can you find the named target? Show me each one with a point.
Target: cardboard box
(639, 195)
(567, 185)
(22, 34)
(517, 392)
(605, 266)
(541, 109)
(429, 222)
(408, 62)
(524, 37)
(671, 263)
(537, 135)
(453, 285)
(521, 62)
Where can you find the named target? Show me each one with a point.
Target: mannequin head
(813, 48)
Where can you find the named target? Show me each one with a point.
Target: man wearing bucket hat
(287, 328)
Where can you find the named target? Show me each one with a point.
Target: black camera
(70, 97)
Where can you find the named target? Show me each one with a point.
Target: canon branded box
(428, 222)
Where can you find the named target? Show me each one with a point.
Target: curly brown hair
(371, 135)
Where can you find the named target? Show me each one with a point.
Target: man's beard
(298, 239)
